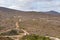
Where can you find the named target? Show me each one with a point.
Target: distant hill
(53, 12)
(8, 9)
(13, 12)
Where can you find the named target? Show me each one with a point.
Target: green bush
(34, 37)
(10, 33)
(5, 38)
(1, 27)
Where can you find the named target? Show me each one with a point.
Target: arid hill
(42, 23)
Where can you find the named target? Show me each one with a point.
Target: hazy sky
(29, 5)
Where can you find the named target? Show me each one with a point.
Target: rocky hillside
(42, 23)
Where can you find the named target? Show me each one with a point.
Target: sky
(32, 5)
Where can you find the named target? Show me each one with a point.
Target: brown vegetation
(34, 22)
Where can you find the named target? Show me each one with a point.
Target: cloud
(32, 5)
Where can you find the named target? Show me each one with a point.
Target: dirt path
(53, 38)
(17, 27)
